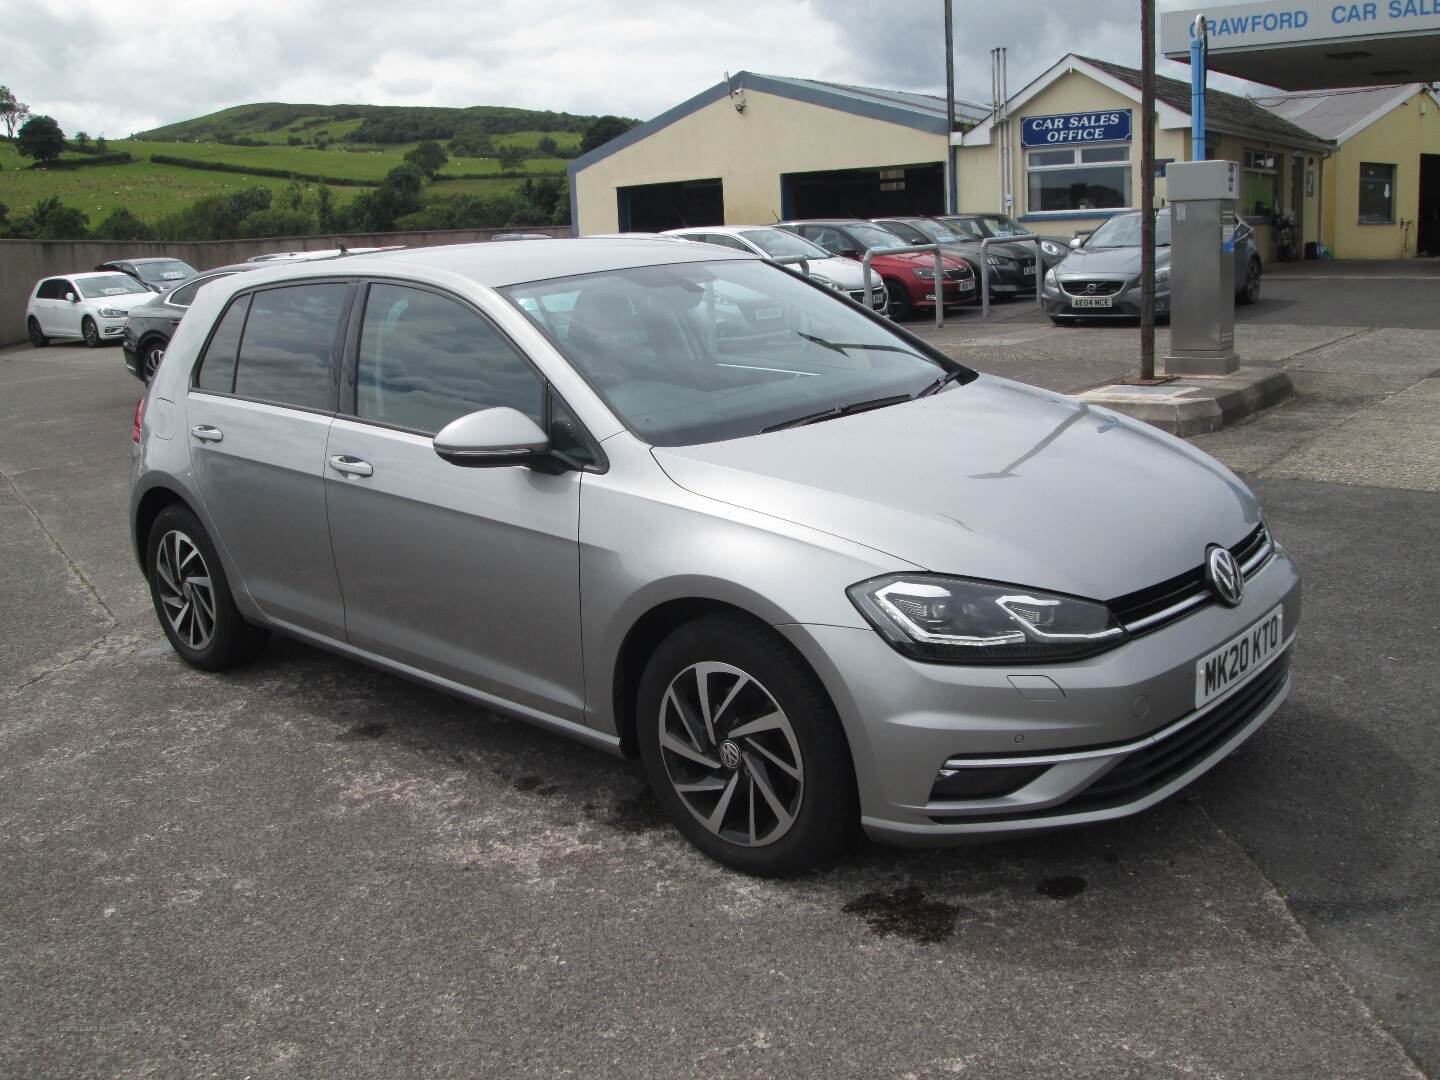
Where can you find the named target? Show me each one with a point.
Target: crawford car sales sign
(1067, 129)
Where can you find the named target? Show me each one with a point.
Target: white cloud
(117, 66)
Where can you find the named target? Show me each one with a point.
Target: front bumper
(956, 291)
(1113, 715)
(1124, 304)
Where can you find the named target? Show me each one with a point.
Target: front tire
(38, 339)
(192, 595)
(1249, 292)
(743, 748)
(90, 332)
(899, 300)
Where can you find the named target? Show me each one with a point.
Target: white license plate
(1029, 270)
(1234, 662)
(1090, 301)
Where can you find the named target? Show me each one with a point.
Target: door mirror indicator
(492, 438)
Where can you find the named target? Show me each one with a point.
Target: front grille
(957, 275)
(1084, 288)
(1151, 608)
(1142, 772)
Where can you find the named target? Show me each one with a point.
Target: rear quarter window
(217, 366)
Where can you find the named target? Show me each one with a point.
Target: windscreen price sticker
(1242, 656)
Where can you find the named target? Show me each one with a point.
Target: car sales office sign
(1068, 129)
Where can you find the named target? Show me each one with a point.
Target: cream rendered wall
(1398, 138)
(748, 152)
(978, 170)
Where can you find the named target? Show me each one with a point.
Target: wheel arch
(146, 511)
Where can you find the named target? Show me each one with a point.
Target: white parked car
(843, 275)
(91, 307)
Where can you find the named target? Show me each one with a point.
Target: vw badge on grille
(1226, 580)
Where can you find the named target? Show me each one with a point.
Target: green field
(148, 191)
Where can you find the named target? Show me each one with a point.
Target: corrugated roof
(929, 105)
(1223, 112)
(1338, 114)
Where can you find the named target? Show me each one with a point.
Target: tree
(41, 139)
(82, 140)
(547, 147)
(277, 222)
(50, 219)
(13, 113)
(101, 146)
(512, 159)
(428, 157)
(601, 130)
(123, 225)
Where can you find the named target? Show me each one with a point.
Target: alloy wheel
(730, 754)
(186, 594)
(153, 355)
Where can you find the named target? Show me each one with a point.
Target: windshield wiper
(841, 346)
(837, 411)
(940, 383)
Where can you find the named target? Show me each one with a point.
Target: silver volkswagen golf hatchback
(683, 504)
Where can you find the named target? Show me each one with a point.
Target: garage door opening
(657, 207)
(865, 193)
(1428, 238)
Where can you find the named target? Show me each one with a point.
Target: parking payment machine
(1202, 198)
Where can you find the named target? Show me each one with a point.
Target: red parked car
(909, 279)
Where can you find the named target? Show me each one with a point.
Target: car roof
(728, 230)
(510, 263)
(87, 274)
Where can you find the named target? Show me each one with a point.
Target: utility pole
(1147, 190)
(952, 186)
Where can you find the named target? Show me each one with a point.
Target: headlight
(818, 280)
(1051, 280)
(922, 272)
(1162, 275)
(951, 620)
(111, 313)
(1049, 247)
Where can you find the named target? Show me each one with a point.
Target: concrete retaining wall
(24, 262)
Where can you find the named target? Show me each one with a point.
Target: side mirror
(1076, 241)
(853, 253)
(492, 438)
(70, 296)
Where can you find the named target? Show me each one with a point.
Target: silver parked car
(685, 504)
(1100, 278)
(843, 275)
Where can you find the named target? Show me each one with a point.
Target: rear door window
(426, 360)
(288, 348)
(217, 366)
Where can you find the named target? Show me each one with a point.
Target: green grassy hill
(351, 146)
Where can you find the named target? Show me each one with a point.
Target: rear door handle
(350, 466)
(206, 433)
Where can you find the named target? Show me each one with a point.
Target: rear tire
(38, 340)
(192, 595)
(765, 784)
(899, 296)
(90, 332)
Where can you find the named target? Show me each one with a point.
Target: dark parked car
(149, 327)
(1012, 266)
(984, 226)
(159, 274)
(909, 279)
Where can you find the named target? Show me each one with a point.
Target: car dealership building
(1359, 177)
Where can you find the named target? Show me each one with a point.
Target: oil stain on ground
(372, 730)
(633, 814)
(1061, 888)
(906, 913)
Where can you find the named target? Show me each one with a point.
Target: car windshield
(108, 285)
(969, 228)
(1124, 231)
(935, 231)
(999, 225)
(700, 352)
(781, 244)
(166, 273)
(873, 236)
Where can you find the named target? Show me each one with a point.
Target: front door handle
(350, 466)
(207, 433)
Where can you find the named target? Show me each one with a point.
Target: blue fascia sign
(1068, 129)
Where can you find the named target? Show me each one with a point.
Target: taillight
(139, 416)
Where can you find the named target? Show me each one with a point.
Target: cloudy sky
(114, 67)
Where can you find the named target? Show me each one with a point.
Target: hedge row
(256, 170)
(497, 175)
(117, 157)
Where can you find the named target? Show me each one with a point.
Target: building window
(1377, 194)
(1260, 184)
(1078, 178)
